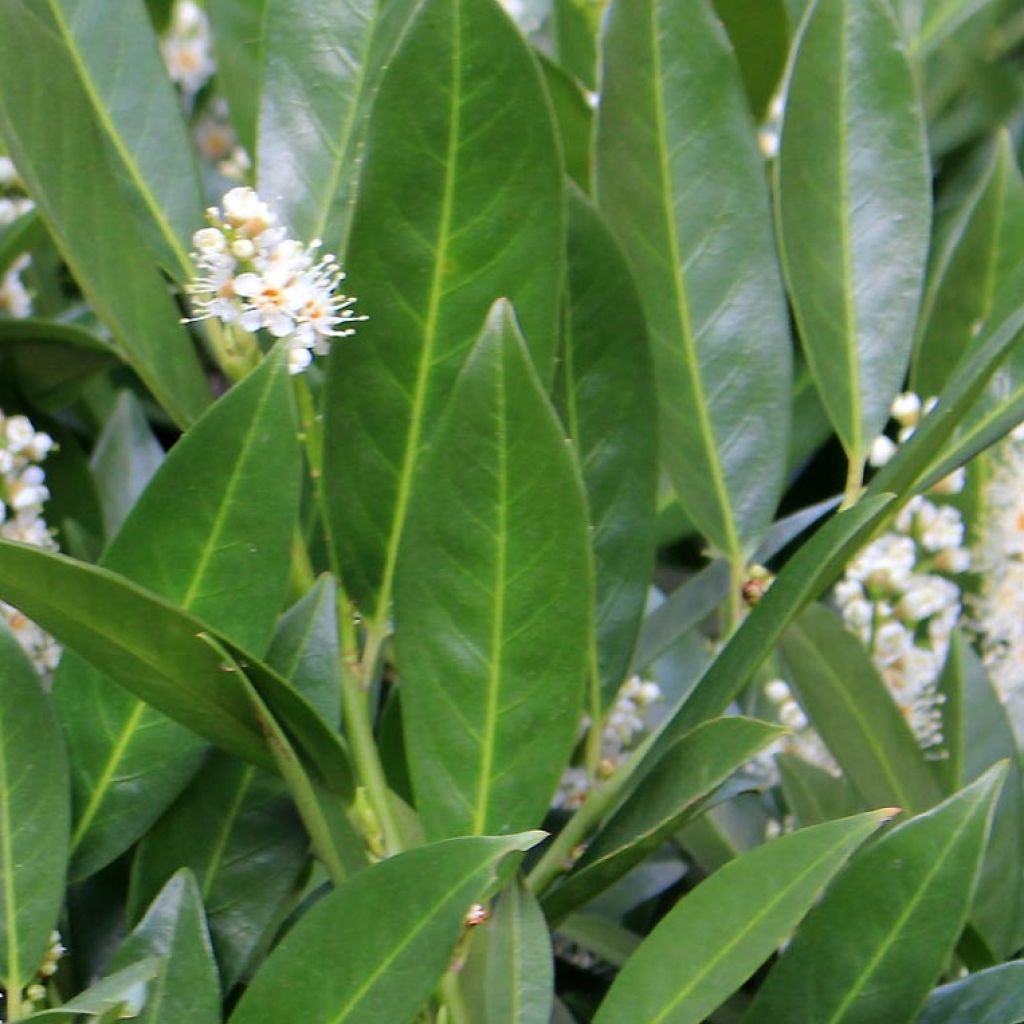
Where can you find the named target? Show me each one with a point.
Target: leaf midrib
(682, 305)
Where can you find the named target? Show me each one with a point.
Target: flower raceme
(252, 276)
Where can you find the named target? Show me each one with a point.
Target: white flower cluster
(625, 722)
(187, 48)
(22, 495)
(997, 612)
(15, 299)
(250, 274)
(218, 142)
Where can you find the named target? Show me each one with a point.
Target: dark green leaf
(574, 117)
(874, 946)
(854, 202)
(995, 996)
(520, 972)
(174, 929)
(34, 817)
(322, 66)
(498, 544)
(460, 204)
(575, 24)
(851, 708)
(729, 925)
(305, 649)
(400, 919)
(223, 505)
(235, 828)
(660, 803)
(812, 794)
(759, 31)
(606, 394)
(121, 180)
(682, 182)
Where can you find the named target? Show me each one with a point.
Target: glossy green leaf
(123, 181)
(400, 919)
(812, 794)
(223, 504)
(122, 994)
(239, 30)
(995, 996)
(875, 945)
(124, 459)
(458, 207)
(660, 803)
(236, 830)
(983, 246)
(305, 649)
(34, 817)
(322, 63)
(605, 395)
(940, 19)
(850, 706)
(729, 925)
(493, 600)
(174, 930)
(574, 117)
(854, 210)
(803, 579)
(759, 31)
(682, 183)
(520, 971)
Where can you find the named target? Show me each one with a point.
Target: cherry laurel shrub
(511, 513)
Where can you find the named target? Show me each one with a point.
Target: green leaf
(239, 30)
(520, 971)
(682, 183)
(400, 919)
(940, 21)
(812, 794)
(124, 993)
(605, 395)
(995, 996)
(322, 62)
(729, 925)
(223, 504)
(235, 828)
(34, 817)
(497, 544)
(305, 649)
(874, 946)
(661, 801)
(458, 207)
(574, 25)
(854, 204)
(759, 31)
(20, 236)
(851, 708)
(121, 186)
(804, 577)
(611, 942)
(574, 118)
(124, 459)
(984, 244)
(174, 929)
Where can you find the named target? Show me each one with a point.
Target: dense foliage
(546, 544)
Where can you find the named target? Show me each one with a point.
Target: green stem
(14, 1004)
(854, 481)
(451, 993)
(733, 612)
(301, 576)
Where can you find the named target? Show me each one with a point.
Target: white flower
(187, 48)
(906, 409)
(926, 596)
(881, 451)
(777, 691)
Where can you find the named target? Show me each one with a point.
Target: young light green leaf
(223, 505)
(682, 183)
(305, 649)
(982, 247)
(457, 208)
(322, 63)
(854, 205)
(849, 705)
(730, 924)
(34, 817)
(995, 996)
(174, 930)
(520, 970)
(605, 394)
(120, 187)
(874, 946)
(236, 830)
(659, 804)
(124, 459)
(400, 918)
(497, 542)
